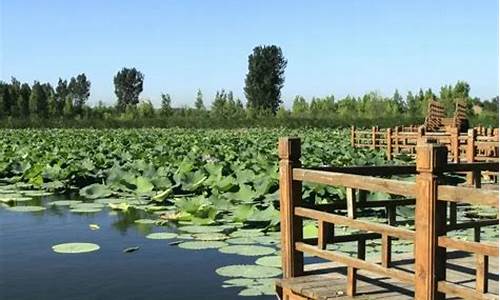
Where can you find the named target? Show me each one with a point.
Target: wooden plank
(346, 238)
(358, 224)
(471, 224)
(351, 202)
(390, 186)
(370, 170)
(356, 263)
(468, 195)
(474, 247)
(471, 166)
(463, 292)
(290, 197)
(325, 234)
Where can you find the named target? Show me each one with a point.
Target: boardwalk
(330, 283)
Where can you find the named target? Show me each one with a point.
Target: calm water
(29, 269)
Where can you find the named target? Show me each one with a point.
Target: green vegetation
(39, 105)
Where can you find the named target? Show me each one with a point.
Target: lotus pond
(159, 213)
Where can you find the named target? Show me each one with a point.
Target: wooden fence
(478, 144)
(429, 237)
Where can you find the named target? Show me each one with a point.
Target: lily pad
(216, 236)
(248, 271)
(145, 221)
(27, 208)
(85, 210)
(203, 229)
(247, 233)
(74, 248)
(270, 261)
(36, 193)
(241, 241)
(161, 235)
(202, 245)
(247, 250)
(65, 202)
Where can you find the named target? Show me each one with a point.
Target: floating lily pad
(203, 229)
(241, 281)
(247, 233)
(26, 208)
(74, 248)
(161, 235)
(65, 202)
(108, 200)
(85, 210)
(16, 198)
(248, 271)
(87, 205)
(241, 241)
(250, 291)
(201, 245)
(247, 250)
(216, 236)
(266, 240)
(145, 221)
(36, 193)
(270, 261)
(94, 227)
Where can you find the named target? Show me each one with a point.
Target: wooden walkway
(329, 282)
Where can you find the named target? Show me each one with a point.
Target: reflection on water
(29, 269)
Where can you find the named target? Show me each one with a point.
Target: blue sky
(339, 47)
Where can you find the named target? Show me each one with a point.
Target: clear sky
(340, 47)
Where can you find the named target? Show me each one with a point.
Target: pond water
(30, 269)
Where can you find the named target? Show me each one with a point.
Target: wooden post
(386, 239)
(389, 143)
(290, 197)
(470, 153)
(353, 136)
(430, 222)
(374, 134)
(396, 140)
(482, 262)
(454, 143)
(351, 213)
(326, 231)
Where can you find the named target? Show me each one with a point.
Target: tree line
(21, 103)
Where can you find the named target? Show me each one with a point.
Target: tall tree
(265, 78)
(38, 101)
(5, 99)
(166, 105)
(199, 101)
(219, 105)
(128, 87)
(79, 89)
(62, 93)
(23, 100)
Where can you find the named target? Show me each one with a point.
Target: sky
(332, 47)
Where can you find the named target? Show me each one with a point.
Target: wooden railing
(429, 236)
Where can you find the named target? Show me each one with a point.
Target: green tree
(300, 107)
(38, 101)
(5, 99)
(166, 105)
(145, 109)
(62, 92)
(79, 89)
(265, 78)
(199, 101)
(128, 87)
(398, 102)
(68, 107)
(23, 100)
(219, 105)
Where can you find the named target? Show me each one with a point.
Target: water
(29, 269)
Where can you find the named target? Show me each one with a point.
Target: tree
(23, 100)
(166, 105)
(145, 109)
(128, 87)
(68, 107)
(265, 78)
(79, 89)
(300, 106)
(219, 105)
(62, 92)
(5, 99)
(199, 101)
(398, 102)
(38, 101)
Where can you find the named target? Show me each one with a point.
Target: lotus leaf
(201, 245)
(247, 250)
(161, 235)
(74, 248)
(248, 271)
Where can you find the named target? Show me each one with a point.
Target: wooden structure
(436, 121)
(478, 144)
(428, 278)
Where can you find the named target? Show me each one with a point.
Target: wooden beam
(463, 292)
(468, 195)
(390, 186)
(401, 233)
(474, 247)
(356, 263)
(290, 197)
